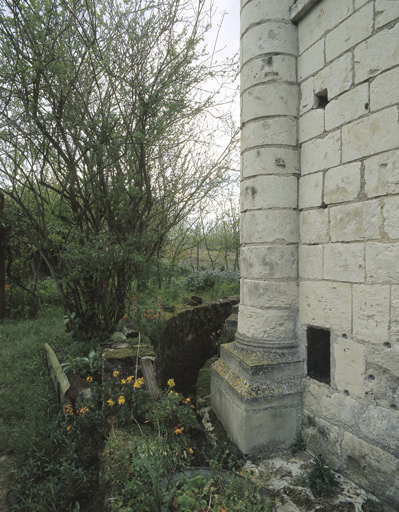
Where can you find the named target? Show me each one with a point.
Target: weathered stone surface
(270, 160)
(272, 99)
(371, 466)
(311, 261)
(325, 304)
(313, 226)
(332, 406)
(322, 438)
(381, 426)
(347, 107)
(383, 90)
(355, 222)
(319, 154)
(267, 325)
(342, 183)
(308, 99)
(372, 57)
(269, 37)
(269, 226)
(350, 367)
(385, 12)
(268, 192)
(390, 212)
(351, 32)
(311, 124)
(376, 133)
(272, 293)
(268, 68)
(344, 262)
(336, 78)
(269, 132)
(381, 262)
(323, 17)
(310, 190)
(261, 12)
(269, 262)
(381, 174)
(371, 312)
(311, 60)
(394, 315)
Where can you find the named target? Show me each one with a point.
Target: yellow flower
(123, 381)
(115, 374)
(171, 383)
(69, 428)
(110, 402)
(89, 379)
(121, 400)
(179, 430)
(139, 382)
(68, 410)
(186, 400)
(191, 450)
(130, 378)
(83, 410)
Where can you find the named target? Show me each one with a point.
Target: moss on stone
(123, 353)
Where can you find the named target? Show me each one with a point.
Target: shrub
(205, 280)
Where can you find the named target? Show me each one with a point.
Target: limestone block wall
(348, 132)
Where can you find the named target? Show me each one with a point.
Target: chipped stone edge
(300, 8)
(57, 375)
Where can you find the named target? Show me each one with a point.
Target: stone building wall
(317, 348)
(348, 132)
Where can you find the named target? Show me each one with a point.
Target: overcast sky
(230, 32)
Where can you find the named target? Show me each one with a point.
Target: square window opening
(321, 99)
(318, 354)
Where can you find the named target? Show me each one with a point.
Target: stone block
(311, 60)
(311, 124)
(390, 212)
(352, 31)
(371, 312)
(268, 68)
(382, 263)
(308, 99)
(376, 133)
(269, 37)
(270, 226)
(344, 262)
(336, 78)
(371, 57)
(383, 374)
(360, 3)
(267, 325)
(270, 160)
(325, 304)
(333, 406)
(342, 183)
(381, 174)
(310, 190)
(355, 222)
(395, 317)
(269, 262)
(381, 426)
(322, 438)
(320, 154)
(383, 90)
(323, 17)
(313, 226)
(258, 11)
(347, 107)
(310, 262)
(269, 132)
(271, 99)
(278, 294)
(268, 192)
(385, 12)
(371, 467)
(349, 367)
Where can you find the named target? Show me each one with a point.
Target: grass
(26, 403)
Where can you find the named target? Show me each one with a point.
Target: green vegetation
(320, 477)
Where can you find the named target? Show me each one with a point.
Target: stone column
(256, 384)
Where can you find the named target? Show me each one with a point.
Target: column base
(257, 395)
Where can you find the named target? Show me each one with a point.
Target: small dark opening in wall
(321, 99)
(318, 354)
